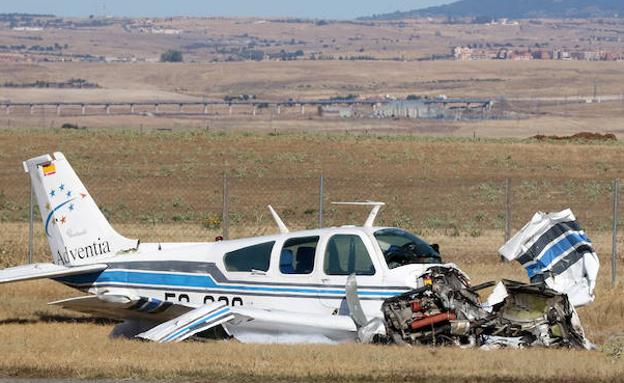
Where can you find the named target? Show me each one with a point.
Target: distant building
(521, 55)
(336, 111)
(503, 54)
(163, 31)
(542, 55)
(13, 58)
(462, 53)
(561, 55)
(410, 109)
(28, 29)
(481, 54)
(610, 56)
(467, 53)
(592, 55)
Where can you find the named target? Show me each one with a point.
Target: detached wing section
(198, 320)
(44, 270)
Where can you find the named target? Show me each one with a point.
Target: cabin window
(297, 256)
(346, 255)
(256, 257)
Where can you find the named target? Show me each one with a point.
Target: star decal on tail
(71, 201)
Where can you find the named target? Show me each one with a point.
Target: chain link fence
(160, 207)
(457, 206)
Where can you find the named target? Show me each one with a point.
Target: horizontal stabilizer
(45, 270)
(198, 320)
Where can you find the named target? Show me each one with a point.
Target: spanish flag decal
(49, 169)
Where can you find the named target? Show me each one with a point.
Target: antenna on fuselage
(280, 224)
(373, 213)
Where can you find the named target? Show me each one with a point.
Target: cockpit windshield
(402, 248)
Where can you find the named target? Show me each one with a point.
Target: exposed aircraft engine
(446, 310)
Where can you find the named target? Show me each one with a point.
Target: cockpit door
(341, 256)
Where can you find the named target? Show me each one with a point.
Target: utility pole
(321, 200)
(226, 213)
(616, 197)
(507, 209)
(31, 216)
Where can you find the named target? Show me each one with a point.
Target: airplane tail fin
(76, 229)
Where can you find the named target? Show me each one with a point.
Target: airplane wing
(254, 325)
(44, 270)
(123, 307)
(281, 326)
(174, 322)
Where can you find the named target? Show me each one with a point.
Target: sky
(331, 9)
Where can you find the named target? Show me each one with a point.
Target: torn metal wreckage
(447, 310)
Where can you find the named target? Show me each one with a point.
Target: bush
(68, 125)
(171, 56)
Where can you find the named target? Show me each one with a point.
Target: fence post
(507, 209)
(616, 197)
(321, 199)
(31, 214)
(226, 213)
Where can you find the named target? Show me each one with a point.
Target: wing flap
(197, 320)
(45, 270)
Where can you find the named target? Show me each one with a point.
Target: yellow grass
(43, 341)
(428, 183)
(308, 79)
(82, 351)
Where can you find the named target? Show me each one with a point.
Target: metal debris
(447, 310)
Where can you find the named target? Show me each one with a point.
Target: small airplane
(290, 287)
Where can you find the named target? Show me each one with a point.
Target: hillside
(518, 9)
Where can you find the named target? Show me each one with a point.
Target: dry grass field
(428, 183)
(200, 38)
(41, 341)
(388, 66)
(311, 79)
(456, 181)
(321, 79)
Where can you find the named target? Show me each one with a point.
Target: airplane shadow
(53, 318)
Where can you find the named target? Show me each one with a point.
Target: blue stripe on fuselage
(199, 281)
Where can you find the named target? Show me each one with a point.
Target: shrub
(171, 56)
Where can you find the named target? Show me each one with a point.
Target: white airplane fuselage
(196, 274)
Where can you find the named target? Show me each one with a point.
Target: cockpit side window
(250, 258)
(402, 248)
(346, 255)
(297, 256)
